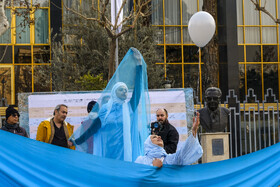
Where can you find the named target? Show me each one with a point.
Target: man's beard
(163, 122)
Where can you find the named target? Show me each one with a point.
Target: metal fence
(253, 125)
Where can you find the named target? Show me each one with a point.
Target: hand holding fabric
(157, 162)
(70, 143)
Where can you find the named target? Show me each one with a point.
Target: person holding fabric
(11, 123)
(90, 130)
(56, 130)
(189, 153)
(122, 123)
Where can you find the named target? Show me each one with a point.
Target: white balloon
(201, 28)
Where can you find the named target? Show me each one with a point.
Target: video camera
(156, 127)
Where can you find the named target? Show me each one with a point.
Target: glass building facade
(258, 47)
(23, 47)
(256, 44)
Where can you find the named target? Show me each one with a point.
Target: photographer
(165, 130)
(189, 152)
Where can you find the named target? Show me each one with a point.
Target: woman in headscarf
(122, 123)
(155, 154)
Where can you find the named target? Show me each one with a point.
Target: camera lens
(156, 125)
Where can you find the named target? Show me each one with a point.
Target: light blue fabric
(115, 109)
(189, 153)
(124, 122)
(27, 162)
(152, 150)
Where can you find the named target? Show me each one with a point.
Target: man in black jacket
(11, 122)
(168, 133)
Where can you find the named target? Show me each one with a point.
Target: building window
(24, 52)
(22, 29)
(6, 54)
(43, 3)
(5, 85)
(6, 37)
(41, 26)
(180, 60)
(41, 54)
(258, 33)
(23, 79)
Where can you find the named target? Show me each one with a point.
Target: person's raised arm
(190, 151)
(138, 78)
(196, 122)
(94, 127)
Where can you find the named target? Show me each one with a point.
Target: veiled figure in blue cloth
(121, 126)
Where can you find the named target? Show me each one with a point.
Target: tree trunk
(4, 24)
(112, 64)
(210, 51)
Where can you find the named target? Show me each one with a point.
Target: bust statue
(213, 118)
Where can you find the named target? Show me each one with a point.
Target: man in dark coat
(11, 122)
(167, 132)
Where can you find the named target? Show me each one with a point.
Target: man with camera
(165, 130)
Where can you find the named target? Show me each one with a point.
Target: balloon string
(197, 87)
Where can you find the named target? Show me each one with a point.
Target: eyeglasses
(14, 115)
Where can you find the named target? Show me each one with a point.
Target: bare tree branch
(141, 10)
(79, 14)
(92, 5)
(118, 15)
(263, 9)
(4, 24)
(104, 22)
(131, 16)
(27, 4)
(3, 55)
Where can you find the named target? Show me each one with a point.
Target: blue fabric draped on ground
(28, 162)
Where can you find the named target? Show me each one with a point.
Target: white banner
(41, 107)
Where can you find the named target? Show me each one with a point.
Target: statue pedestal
(215, 146)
